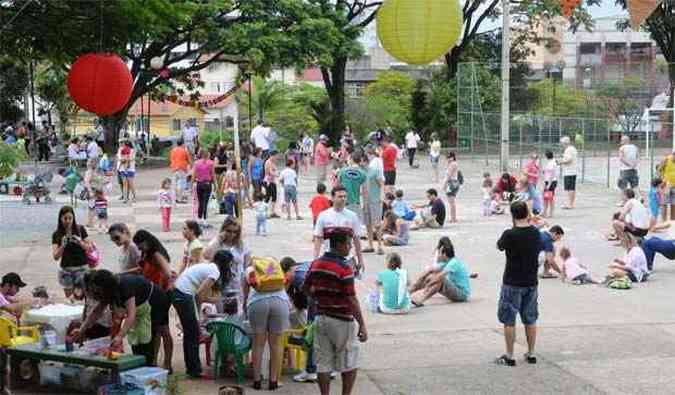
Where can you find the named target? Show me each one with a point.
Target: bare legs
(348, 380)
(453, 209)
(259, 340)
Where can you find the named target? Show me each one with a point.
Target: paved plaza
(590, 340)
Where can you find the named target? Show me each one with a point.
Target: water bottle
(373, 301)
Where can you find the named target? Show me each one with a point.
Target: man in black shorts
(521, 245)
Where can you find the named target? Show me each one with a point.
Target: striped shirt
(330, 282)
(101, 204)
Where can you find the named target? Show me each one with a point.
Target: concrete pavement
(591, 339)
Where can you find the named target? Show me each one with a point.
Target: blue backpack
(257, 169)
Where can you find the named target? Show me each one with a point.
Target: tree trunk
(452, 61)
(336, 94)
(111, 131)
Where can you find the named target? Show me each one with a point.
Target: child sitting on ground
(573, 271)
(494, 208)
(401, 208)
(656, 192)
(392, 284)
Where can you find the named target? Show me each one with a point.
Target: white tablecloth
(58, 316)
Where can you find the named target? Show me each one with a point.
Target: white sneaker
(304, 377)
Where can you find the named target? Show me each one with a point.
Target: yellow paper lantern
(419, 31)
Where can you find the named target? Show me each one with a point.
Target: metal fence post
(583, 152)
(609, 155)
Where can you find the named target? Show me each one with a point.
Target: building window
(229, 122)
(176, 125)
(355, 89)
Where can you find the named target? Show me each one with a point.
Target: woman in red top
(155, 266)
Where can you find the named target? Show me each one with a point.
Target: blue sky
(607, 8)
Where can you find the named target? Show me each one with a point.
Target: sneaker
(304, 377)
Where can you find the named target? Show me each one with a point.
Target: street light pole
(506, 69)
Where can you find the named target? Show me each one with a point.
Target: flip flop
(548, 275)
(367, 250)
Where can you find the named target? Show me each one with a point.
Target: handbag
(93, 256)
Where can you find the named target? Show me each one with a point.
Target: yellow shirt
(669, 172)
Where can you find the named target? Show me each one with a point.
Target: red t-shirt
(389, 158)
(154, 273)
(318, 204)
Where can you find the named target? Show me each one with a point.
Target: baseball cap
(337, 230)
(323, 137)
(13, 279)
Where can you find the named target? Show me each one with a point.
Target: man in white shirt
(628, 162)
(633, 218)
(259, 138)
(411, 140)
(335, 217)
(93, 150)
(189, 138)
(569, 170)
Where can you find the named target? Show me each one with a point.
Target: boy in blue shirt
(449, 277)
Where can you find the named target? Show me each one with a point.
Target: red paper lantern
(100, 83)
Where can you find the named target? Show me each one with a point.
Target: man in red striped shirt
(330, 283)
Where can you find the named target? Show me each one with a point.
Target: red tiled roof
(313, 74)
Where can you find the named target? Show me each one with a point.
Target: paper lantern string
(204, 103)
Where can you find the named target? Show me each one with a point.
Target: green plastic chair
(227, 342)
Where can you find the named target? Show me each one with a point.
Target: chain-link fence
(593, 115)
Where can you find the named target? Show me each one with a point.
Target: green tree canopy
(187, 35)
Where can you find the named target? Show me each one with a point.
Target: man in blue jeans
(521, 245)
(653, 245)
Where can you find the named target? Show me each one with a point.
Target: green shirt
(351, 178)
(457, 274)
(390, 287)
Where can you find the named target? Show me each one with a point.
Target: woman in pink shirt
(203, 173)
(322, 158)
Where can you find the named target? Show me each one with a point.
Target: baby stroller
(38, 188)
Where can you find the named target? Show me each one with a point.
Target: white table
(58, 316)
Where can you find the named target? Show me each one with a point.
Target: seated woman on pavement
(449, 277)
(393, 287)
(395, 231)
(633, 264)
(633, 218)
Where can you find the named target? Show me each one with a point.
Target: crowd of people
(357, 199)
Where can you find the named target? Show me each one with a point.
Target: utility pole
(506, 70)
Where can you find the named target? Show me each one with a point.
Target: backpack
(266, 275)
